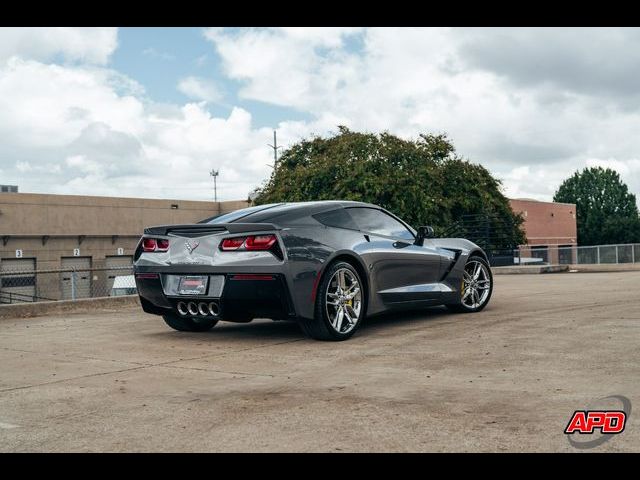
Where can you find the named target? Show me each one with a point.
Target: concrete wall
(31, 213)
(48, 227)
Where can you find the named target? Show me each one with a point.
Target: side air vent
(453, 262)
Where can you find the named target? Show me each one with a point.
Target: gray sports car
(326, 264)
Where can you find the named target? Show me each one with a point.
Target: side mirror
(423, 232)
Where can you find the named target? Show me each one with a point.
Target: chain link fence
(18, 286)
(597, 254)
(65, 284)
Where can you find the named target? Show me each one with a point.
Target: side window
(336, 218)
(377, 221)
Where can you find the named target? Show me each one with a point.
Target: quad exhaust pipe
(202, 309)
(214, 309)
(193, 309)
(182, 309)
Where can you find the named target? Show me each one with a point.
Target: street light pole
(275, 148)
(214, 174)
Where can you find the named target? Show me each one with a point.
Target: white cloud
(153, 53)
(465, 82)
(539, 183)
(282, 66)
(587, 60)
(48, 105)
(42, 168)
(92, 45)
(200, 89)
(78, 130)
(84, 165)
(78, 126)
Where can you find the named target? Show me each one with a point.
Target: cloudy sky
(149, 111)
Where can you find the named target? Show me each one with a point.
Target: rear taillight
(155, 244)
(252, 242)
(232, 243)
(149, 244)
(260, 242)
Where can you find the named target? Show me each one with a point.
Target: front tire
(477, 286)
(340, 304)
(186, 324)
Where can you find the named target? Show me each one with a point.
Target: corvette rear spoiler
(198, 229)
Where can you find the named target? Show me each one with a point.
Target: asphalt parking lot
(506, 379)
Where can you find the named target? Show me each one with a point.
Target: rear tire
(481, 286)
(186, 324)
(340, 304)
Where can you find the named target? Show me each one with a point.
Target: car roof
(278, 208)
(263, 213)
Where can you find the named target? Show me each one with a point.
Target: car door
(400, 270)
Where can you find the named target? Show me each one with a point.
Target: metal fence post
(633, 253)
(598, 250)
(73, 285)
(616, 253)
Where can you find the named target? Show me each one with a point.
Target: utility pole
(275, 150)
(214, 174)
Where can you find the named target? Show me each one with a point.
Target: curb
(605, 267)
(533, 269)
(573, 268)
(36, 309)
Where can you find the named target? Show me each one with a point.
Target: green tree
(606, 211)
(422, 181)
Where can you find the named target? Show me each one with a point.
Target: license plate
(193, 285)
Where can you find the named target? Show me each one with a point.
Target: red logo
(586, 421)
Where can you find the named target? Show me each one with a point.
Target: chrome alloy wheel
(343, 300)
(476, 285)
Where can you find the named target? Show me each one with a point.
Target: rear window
(339, 218)
(238, 214)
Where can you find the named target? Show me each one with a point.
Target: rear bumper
(244, 296)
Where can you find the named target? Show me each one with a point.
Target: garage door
(17, 287)
(78, 285)
(117, 266)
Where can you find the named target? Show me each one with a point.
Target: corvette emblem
(191, 246)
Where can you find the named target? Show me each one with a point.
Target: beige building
(42, 232)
